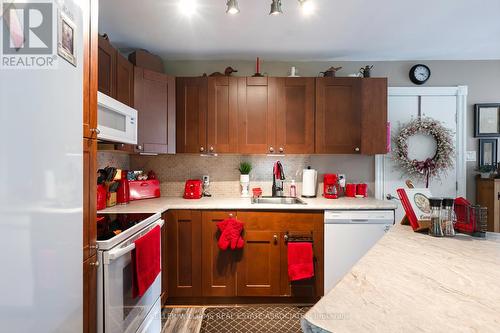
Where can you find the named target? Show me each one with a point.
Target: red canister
(101, 197)
(350, 190)
(362, 189)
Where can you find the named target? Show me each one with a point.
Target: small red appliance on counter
(193, 189)
(123, 191)
(330, 186)
(144, 189)
(101, 197)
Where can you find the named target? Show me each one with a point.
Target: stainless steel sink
(278, 200)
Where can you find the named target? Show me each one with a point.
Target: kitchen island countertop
(411, 282)
(165, 203)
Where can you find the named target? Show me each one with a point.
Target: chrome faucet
(278, 179)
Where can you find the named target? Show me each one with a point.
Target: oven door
(121, 312)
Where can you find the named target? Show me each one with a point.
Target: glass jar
(436, 229)
(447, 217)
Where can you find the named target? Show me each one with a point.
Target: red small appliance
(123, 191)
(331, 186)
(193, 189)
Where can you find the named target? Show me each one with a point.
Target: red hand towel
(230, 234)
(146, 261)
(300, 261)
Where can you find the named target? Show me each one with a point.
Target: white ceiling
(339, 30)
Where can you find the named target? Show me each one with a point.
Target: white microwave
(116, 121)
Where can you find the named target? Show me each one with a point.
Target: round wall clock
(419, 74)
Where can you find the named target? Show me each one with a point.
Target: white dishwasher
(349, 234)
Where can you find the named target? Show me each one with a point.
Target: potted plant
(486, 170)
(245, 168)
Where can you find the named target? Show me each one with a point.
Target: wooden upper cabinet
(191, 114)
(295, 115)
(338, 115)
(218, 266)
(222, 117)
(154, 99)
(124, 80)
(257, 115)
(107, 67)
(90, 69)
(89, 198)
(184, 253)
(374, 116)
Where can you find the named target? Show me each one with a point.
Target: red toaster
(193, 189)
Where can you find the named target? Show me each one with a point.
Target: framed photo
(487, 152)
(487, 120)
(66, 38)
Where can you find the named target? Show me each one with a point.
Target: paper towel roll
(309, 179)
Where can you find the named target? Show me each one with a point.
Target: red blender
(330, 186)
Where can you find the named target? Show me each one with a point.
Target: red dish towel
(300, 261)
(146, 261)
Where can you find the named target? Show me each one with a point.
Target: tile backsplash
(173, 170)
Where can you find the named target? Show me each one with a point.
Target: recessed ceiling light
(307, 6)
(232, 7)
(188, 7)
(276, 8)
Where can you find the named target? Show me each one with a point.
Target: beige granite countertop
(410, 282)
(164, 203)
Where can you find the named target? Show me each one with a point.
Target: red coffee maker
(331, 186)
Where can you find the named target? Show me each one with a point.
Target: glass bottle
(293, 189)
(447, 217)
(436, 228)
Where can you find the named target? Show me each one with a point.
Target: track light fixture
(307, 6)
(276, 8)
(232, 7)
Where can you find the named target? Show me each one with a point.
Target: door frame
(460, 92)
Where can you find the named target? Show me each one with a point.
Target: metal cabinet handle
(285, 238)
(202, 149)
(96, 131)
(96, 263)
(211, 149)
(282, 149)
(275, 237)
(356, 149)
(271, 149)
(139, 147)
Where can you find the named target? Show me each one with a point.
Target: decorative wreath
(431, 167)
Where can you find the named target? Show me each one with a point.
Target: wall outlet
(471, 156)
(206, 179)
(342, 179)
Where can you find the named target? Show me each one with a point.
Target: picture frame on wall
(488, 151)
(66, 38)
(487, 120)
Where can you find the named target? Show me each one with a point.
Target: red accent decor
(144, 189)
(410, 214)
(146, 261)
(350, 190)
(101, 197)
(362, 189)
(193, 189)
(300, 261)
(230, 234)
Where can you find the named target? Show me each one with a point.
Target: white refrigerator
(41, 175)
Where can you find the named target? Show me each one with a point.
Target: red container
(123, 192)
(101, 197)
(350, 190)
(193, 189)
(144, 189)
(362, 189)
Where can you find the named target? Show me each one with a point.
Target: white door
(404, 107)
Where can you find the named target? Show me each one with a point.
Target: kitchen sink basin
(278, 200)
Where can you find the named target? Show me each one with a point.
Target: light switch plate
(471, 156)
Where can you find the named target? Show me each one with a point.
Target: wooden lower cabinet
(164, 260)
(184, 253)
(488, 195)
(198, 269)
(90, 295)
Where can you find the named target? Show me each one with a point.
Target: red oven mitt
(230, 234)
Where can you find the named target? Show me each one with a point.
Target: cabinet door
(124, 80)
(184, 253)
(338, 115)
(90, 68)
(164, 260)
(191, 114)
(222, 118)
(218, 267)
(256, 115)
(295, 115)
(107, 67)
(90, 295)
(374, 116)
(259, 268)
(89, 198)
(154, 99)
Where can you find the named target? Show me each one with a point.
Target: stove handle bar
(115, 254)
